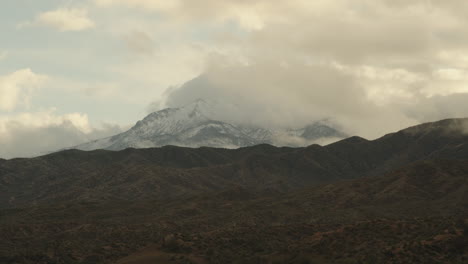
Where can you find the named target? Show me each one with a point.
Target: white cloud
(446, 81)
(451, 74)
(34, 133)
(63, 19)
(44, 119)
(16, 88)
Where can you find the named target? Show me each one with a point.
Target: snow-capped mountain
(195, 125)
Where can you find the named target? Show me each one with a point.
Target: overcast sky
(71, 71)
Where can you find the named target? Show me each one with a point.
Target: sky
(73, 71)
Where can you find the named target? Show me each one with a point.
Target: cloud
(149, 74)
(378, 31)
(289, 95)
(268, 88)
(243, 12)
(374, 66)
(17, 88)
(438, 107)
(140, 43)
(63, 19)
(36, 133)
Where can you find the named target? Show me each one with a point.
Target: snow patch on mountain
(196, 125)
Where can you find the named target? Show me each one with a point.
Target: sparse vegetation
(255, 205)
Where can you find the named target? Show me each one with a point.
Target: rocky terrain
(402, 198)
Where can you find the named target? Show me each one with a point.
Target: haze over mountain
(197, 124)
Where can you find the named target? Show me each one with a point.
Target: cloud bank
(373, 66)
(30, 134)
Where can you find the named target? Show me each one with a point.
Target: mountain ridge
(216, 168)
(401, 198)
(197, 125)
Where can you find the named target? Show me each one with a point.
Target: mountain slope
(169, 172)
(398, 199)
(196, 125)
(417, 214)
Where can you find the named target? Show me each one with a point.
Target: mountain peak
(197, 124)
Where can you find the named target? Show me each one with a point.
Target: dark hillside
(402, 198)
